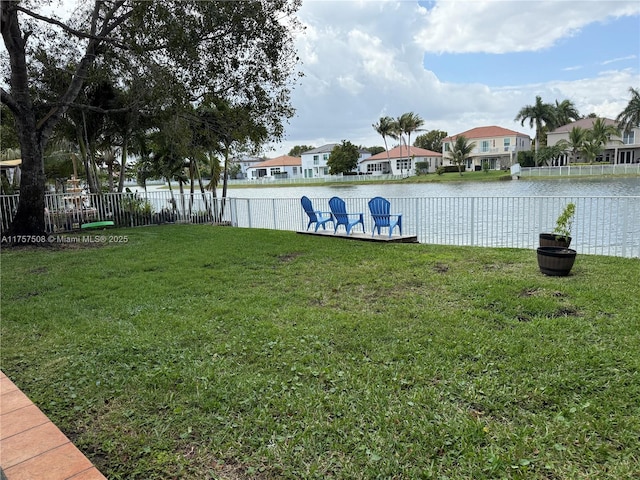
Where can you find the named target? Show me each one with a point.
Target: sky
(456, 64)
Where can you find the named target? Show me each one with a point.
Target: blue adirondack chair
(380, 208)
(339, 211)
(315, 216)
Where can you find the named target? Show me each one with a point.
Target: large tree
(630, 117)
(238, 51)
(343, 158)
(298, 150)
(432, 140)
(539, 114)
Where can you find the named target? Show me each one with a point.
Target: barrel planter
(552, 240)
(556, 261)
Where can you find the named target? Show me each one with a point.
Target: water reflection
(570, 187)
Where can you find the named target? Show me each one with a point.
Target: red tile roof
(397, 153)
(281, 161)
(486, 132)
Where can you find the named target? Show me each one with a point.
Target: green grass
(491, 175)
(214, 352)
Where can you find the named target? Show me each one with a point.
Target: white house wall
(492, 149)
(618, 150)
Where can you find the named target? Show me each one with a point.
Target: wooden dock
(363, 237)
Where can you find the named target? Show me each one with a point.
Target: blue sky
(457, 64)
(596, 47)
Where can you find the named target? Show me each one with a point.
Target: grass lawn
(491, 175)
(199, 352)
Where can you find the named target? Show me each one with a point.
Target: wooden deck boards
(363, 237)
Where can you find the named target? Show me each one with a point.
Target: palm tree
(410, 122)
(539, 115)
(407, 123)
(597, 137)
(577, 137)
(602, 132)
(461, 150)
(566, 112)
(591, 149)
(386, 128)
(629, 118)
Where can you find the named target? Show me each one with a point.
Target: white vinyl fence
(602, 226)
(581, 170)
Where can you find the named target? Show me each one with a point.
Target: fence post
(273, 207)
(472, 220)
(625, 233)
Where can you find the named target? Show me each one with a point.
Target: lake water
(498, 213)
(569, 187)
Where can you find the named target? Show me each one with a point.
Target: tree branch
(9, 101)
(79, 33)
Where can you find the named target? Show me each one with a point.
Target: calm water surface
(570, 187)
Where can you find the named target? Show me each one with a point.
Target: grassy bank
(213, 352)
(491, 175)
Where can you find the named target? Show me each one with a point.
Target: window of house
(374, 167)
(447, 147)
(403, 164)
(295, 170)
(325, 157)
(628, 137)
(275, 170)
(507, 144)
(484, 146)
(316, 160)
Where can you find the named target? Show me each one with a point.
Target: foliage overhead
(180, 51)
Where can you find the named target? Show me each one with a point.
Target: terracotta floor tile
(57, 464)
(31, 447)
(33, 442)
(6, 385)
(21, 420)
(13, 400)
(91, 474)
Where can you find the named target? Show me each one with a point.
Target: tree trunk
(110, 173)
(123, 164)
(29, 219)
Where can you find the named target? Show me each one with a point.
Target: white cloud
(619, 59)
(510, 26)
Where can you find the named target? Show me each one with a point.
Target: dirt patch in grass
(39, 270)
(289, 257)
(441, 268)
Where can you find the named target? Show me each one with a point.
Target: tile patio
(32, 447)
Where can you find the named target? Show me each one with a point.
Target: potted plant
(561, 235)
(555, 258)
